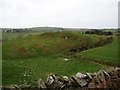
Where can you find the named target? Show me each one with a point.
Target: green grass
(13, 70)
(107, 54)
(14, 35)
(11, 35)
(44, 53)
(49, 43)
(0, 58)
(0, 48)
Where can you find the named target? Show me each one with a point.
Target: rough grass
(107, 54)
(50, 43)
(11, 35)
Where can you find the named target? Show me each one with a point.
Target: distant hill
(53, 29)
(46, 29)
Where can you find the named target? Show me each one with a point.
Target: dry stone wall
(104, 79)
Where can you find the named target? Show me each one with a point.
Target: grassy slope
(107, 54)
(49, 43)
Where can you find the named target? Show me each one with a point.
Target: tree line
(98, 32)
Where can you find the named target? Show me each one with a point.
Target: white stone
(80, 75)
(66, 38)
(66, 78)
(50, 80)
(65, 59)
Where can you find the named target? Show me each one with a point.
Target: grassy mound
(50, 43)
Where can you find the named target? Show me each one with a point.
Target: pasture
(28, 57)
(107, 54)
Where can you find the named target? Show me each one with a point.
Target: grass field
(107, 54)
(11, 35)
(48, 51)
(16, 71)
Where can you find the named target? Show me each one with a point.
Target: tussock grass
(107, 54)
(50, 43)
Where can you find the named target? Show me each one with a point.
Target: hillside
(63, 43)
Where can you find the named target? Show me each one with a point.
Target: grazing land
(107, 54)
(30, 56)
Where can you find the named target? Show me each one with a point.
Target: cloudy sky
(59, 13)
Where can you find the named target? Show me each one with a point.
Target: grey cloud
(66, 13)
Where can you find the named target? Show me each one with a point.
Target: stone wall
(107, 79)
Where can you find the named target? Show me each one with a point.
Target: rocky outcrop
(109, 78)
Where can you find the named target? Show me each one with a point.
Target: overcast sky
(59, 13)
